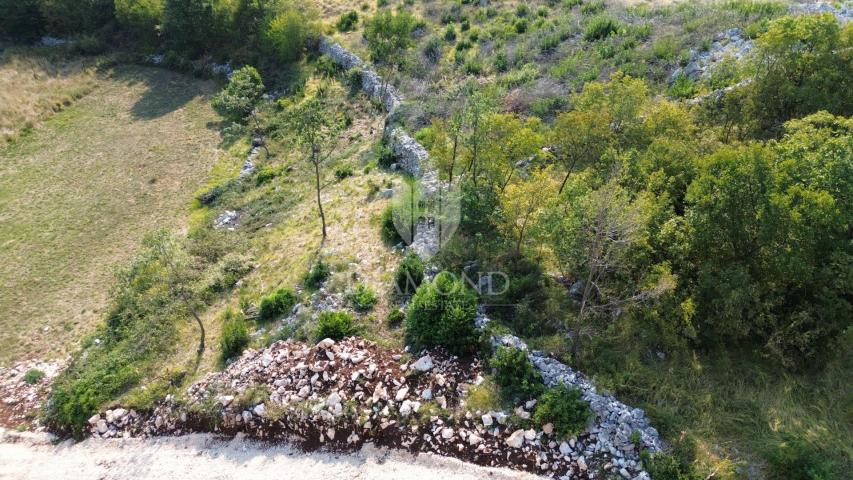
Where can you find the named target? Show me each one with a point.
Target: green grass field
(78, 193)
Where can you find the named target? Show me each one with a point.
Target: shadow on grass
(166, 91)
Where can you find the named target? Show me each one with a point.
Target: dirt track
(205, 457)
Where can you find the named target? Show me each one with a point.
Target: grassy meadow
(78, 192)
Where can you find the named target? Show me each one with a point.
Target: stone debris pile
(21, 395)
(339, 395)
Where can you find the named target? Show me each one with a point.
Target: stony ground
(341, 395)
(20, 399)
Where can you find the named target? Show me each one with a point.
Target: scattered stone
(423, 364)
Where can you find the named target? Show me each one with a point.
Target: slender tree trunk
(566, 178)
(453, 159)
(319, 202)
(198, 320)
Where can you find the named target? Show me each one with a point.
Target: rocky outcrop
(728, 46)
(843, 12)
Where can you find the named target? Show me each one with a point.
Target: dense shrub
(432, 50)
(335, 325)
(343, 172)
(33, 376)
(450, 34)
(289, 33)
(74, 17)
(409, 274)
(141, 325)
(194, 27)
(388, 231)
(276, 304)
(21, 20)
(795, 458)
(665, 467)
(318, 274)
(362, 298)
(600, 27)
(347, 21)
(235, 335)
(442, 314)
(515, 374)
(140, 19)
(565, 409)
(237, 100)
(396, 317)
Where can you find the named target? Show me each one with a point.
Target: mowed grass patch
(34, 86)
(78, 193)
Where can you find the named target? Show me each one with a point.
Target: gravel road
(30, 456)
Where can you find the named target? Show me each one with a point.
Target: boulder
(516, 439)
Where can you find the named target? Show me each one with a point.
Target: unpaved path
(206, 457)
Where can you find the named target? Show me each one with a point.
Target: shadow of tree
(164, 94)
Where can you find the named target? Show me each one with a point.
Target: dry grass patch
(77, 194)
(34, 86)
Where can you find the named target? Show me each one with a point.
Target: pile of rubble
(339, 395)
(23, 388)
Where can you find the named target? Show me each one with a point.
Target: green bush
(89, 45)
(318, 274)
(362, 298)
(450, 34)
(515, 374)
(140, 18)
(235, 335)
(600, 27)
(432, 50)
(795, 458)
(335, 325)
(388, 231)
(442, 313)
(21, 20)
(682, 87)
(75, 17)
(347, 21)
(665, 467)
(343, 172)
(195, 27)
(276, 304)
(396, 317)
(289, 33)
(237, 100)
(33, 376)
(563, 407)
(141, 326)
(409, 274)
(592, 7)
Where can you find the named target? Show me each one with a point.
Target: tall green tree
(317, 131)
(803, 64)
(238, 99)
(389, 37)
(21, 20)
(508, 141)
(591, 234)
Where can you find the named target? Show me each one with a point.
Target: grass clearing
(78, 194)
